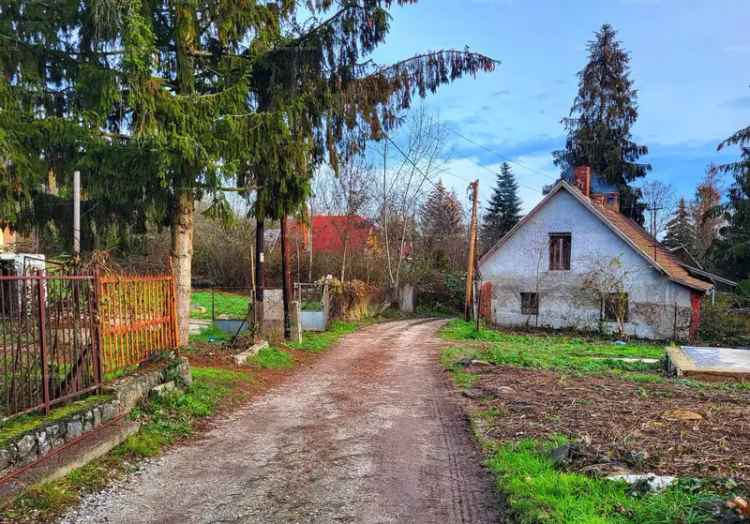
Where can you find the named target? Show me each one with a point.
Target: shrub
(724, 323)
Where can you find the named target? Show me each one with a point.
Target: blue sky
(688, 61)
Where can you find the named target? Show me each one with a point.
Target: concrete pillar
(295, 321)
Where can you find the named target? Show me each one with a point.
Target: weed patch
(538, 492)
(271, 358)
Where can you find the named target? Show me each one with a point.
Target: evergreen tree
(600, 121)
(162, 102)
(441, 220)
(732, 252)
(680, 229)
(504, 209)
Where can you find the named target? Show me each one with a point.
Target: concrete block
(42, 443)
(97, 416)
(109, 410)
(241, 358)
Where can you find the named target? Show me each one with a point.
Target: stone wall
(126, 393)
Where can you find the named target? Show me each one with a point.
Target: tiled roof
(329, 232)
(652, 249)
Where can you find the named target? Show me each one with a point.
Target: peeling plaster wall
(522, 265)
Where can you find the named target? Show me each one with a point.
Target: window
(616, 307)
(559, 251)
(530, 303)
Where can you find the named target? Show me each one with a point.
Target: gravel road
(370, 433)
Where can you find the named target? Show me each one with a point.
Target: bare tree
(660, 203)
(607, 282)
(403, 187)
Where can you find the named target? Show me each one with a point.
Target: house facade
(576, 262)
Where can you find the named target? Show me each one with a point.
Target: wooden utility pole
(287, 275)
(259, 259)
(77, 215)
(472, 251)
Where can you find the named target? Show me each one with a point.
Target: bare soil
(665, 428)
(369, 432)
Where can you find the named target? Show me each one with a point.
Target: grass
(233, 305)
(211, 334)
(164, 421)
(320, 341)
(555, 352)
(538, 492)
(17, 427)
(271, 358)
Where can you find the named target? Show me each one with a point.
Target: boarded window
(530, 303)
(616, 307)
(559, 251)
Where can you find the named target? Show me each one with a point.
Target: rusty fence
(137, 318)
(60, 335)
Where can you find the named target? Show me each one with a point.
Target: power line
(489, 150)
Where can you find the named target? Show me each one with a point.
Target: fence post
(98, 339)
(42, 311)
(173, 312)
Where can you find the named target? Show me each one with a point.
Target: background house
(576, 262)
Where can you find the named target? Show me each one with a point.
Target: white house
(576, 262)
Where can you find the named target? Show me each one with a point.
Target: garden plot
(613, 412)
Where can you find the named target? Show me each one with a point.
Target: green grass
(211, 334)
(17, 427)
(320, 341)
(538, 492)
(234, 305)
(271, 358)
(555, 351)
(164, 421)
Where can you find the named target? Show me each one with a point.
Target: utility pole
(286, 272)
(259, 259)
(77, 215)
(472, 251)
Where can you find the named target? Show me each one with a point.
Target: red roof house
(330, 232)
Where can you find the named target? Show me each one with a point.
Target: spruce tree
(162, 102)
(441, 221)
(680, 229)
(600, 121)
(504, 209)
(731, 254)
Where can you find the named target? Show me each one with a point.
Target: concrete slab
(710, 363)
(241, 358)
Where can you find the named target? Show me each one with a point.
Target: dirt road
(370, 433)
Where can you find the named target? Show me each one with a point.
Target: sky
(688, 62)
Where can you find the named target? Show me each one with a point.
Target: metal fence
(137, 317)
(60, 335)
(47, 341)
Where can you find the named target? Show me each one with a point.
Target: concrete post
(295, 321)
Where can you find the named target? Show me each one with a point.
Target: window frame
(560, 241)
(534, 297)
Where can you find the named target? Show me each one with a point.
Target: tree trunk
(182, 256)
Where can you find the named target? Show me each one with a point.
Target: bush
(724, 323)
(441, 293)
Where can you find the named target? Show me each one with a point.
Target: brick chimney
(583, 179)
